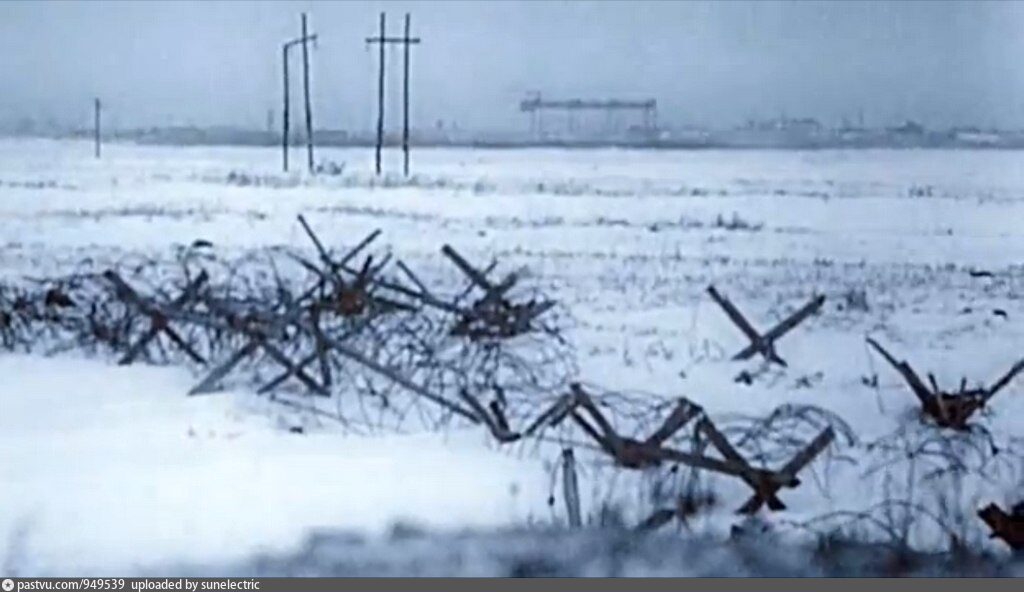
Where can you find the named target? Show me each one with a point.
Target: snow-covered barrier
(393, 349)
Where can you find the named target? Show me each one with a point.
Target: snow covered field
(106, 468)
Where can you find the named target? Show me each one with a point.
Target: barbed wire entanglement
(360, 337)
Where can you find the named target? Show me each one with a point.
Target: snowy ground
(112, 468)
(106, 468)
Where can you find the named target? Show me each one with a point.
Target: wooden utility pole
(286, 111)
(406, 41)
(405, 100)
(96, 124)
(305, 86)
(380, 92)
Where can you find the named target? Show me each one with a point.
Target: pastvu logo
(7, 584)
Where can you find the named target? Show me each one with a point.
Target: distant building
(688, 135)
(973, 136)
(861, 137)
(908, 128)
(782, 132)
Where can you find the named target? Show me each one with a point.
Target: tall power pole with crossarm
(286, 110)
(305, 94)
(405, 41)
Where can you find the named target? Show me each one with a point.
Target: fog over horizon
(708, 64)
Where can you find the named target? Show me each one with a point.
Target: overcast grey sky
(706, 63)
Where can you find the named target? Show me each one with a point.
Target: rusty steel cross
(764, 344)
(652, 452)
(948, 409)
(261, 332)
(493, 315)
(159, 315)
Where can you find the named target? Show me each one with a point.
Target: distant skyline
(709, 64)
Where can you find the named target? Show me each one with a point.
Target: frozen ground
(113, 468)
(106, 468)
